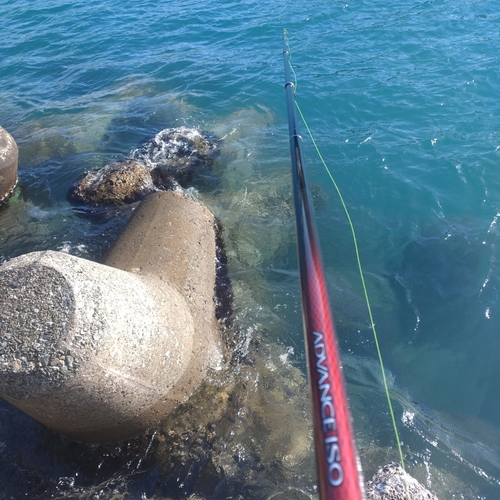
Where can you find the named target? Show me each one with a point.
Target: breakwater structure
(102, 352)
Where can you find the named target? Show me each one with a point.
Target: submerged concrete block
(101, 353)
(8, 164)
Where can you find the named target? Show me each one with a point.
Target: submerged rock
(250, 436)
(178, 156)
(171, 158)
(180, 150)
(117, 183)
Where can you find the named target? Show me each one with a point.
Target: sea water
(402, 99)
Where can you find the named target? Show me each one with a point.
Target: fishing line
(360, 268)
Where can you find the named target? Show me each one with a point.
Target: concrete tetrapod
(172, 237)
(99, 354)
(8, 164)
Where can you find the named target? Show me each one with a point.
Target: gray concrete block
(172, 237)
(90, 351)
(8, 164)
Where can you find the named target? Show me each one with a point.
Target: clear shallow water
(402, 99)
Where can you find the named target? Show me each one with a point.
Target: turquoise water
(402, 100)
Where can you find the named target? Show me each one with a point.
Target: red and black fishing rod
(339, 471)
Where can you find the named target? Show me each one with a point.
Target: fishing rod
(337, 461)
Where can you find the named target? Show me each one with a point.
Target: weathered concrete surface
(90, 351)
(172, 237)
(8, 164)
(393, 483)
(100, 354)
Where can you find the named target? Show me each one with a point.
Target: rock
(172, 158)
(178, 154)
(117, 183)
(8, 165)
(393, 483)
